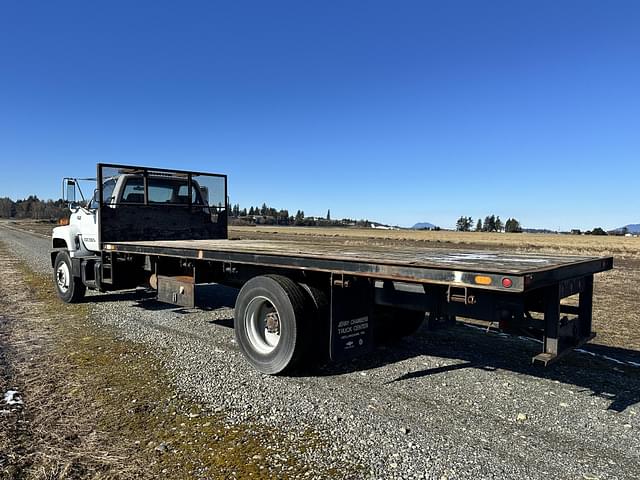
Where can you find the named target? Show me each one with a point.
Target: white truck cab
(135, 202)
(81, 236)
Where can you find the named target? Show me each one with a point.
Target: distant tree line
(492, 223)
(266, 215)
(599, 231)
(33, 207)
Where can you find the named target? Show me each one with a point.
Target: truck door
(88, 218)
(88, 223)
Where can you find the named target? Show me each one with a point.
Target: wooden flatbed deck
(411, 264)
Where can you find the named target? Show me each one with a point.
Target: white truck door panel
(87, 221)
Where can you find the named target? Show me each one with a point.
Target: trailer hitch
(460, 295)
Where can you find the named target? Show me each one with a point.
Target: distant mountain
(631, 228)
(423, 226)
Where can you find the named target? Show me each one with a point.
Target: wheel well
(59, 243)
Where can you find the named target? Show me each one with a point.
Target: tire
(272, 324)
(70, 289)
(393, 323)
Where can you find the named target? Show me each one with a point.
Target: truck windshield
(107, 194)
(107, 190)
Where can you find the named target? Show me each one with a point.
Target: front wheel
(70, 289)
(271, 324)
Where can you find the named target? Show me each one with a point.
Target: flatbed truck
(301, 301)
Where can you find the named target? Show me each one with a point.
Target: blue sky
(394, 111)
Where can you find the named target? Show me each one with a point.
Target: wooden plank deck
(416, 257)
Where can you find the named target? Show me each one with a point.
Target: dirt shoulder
(94, 406)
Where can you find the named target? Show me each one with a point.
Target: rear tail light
(483, 280)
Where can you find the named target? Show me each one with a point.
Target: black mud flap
(351, 327)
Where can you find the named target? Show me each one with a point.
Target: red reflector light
(506, 282)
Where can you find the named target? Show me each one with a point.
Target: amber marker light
(483, 280)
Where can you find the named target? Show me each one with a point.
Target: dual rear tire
(272, 323)
(279, 323)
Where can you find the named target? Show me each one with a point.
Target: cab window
(160, 190)
(133, 191)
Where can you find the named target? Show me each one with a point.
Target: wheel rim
(262, 324)
(62, 277)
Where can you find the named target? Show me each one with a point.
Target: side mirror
(71, 191)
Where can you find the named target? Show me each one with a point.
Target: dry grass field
(621, 247)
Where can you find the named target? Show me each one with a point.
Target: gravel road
(456, 403)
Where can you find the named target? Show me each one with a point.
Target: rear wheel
(70, 289)
(271, 324)
(393, 323)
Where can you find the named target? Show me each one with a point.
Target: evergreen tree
(479, 226)
(489, 224)
(329, 215)
(464, 224)
(512, 226)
